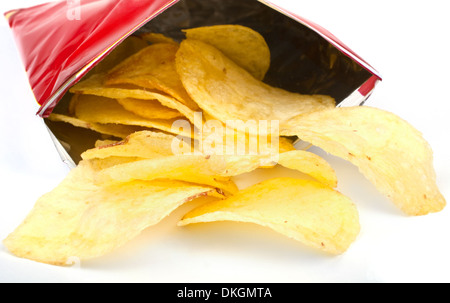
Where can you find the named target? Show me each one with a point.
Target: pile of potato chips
(175, 120)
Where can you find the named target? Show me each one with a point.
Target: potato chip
(94, 85)
(152, 68)
(103, 110)
(388, 151)
(198, 169)
(157, 38)
(231, 95)
(150, 145)
(116, 130)
(81, 220)
(302, 161)
(226, 141)
(212, 170)
(144, 144)
(246, 47)
(310, 164)
(285, 144)
(104, 143)
(304, 210)
(72, 105)
(149, 109)
(99, 164)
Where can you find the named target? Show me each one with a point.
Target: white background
(406, 41)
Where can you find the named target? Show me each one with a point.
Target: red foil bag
(60, 42)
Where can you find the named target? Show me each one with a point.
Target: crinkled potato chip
(79, 219)
(230, 94)
(115, 130)
(304, 210)
(103, 110)
(94, 85)
(243, 45)
(152, 68)
(388, 151)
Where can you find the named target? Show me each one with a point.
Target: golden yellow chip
(150, 109)
(388, 151)
(95, 85)
(230, 94)
(304, 210)
(150, 145)
(152, 68)
(157, 38)
(143, 144)
(72, 104)
(198, 169)
(217, 138)
(116, 130)
(103, 110)
(104, 143)
(241, 44)
(302, 161)
(99, 164)
(80, 220)
(310, 164)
